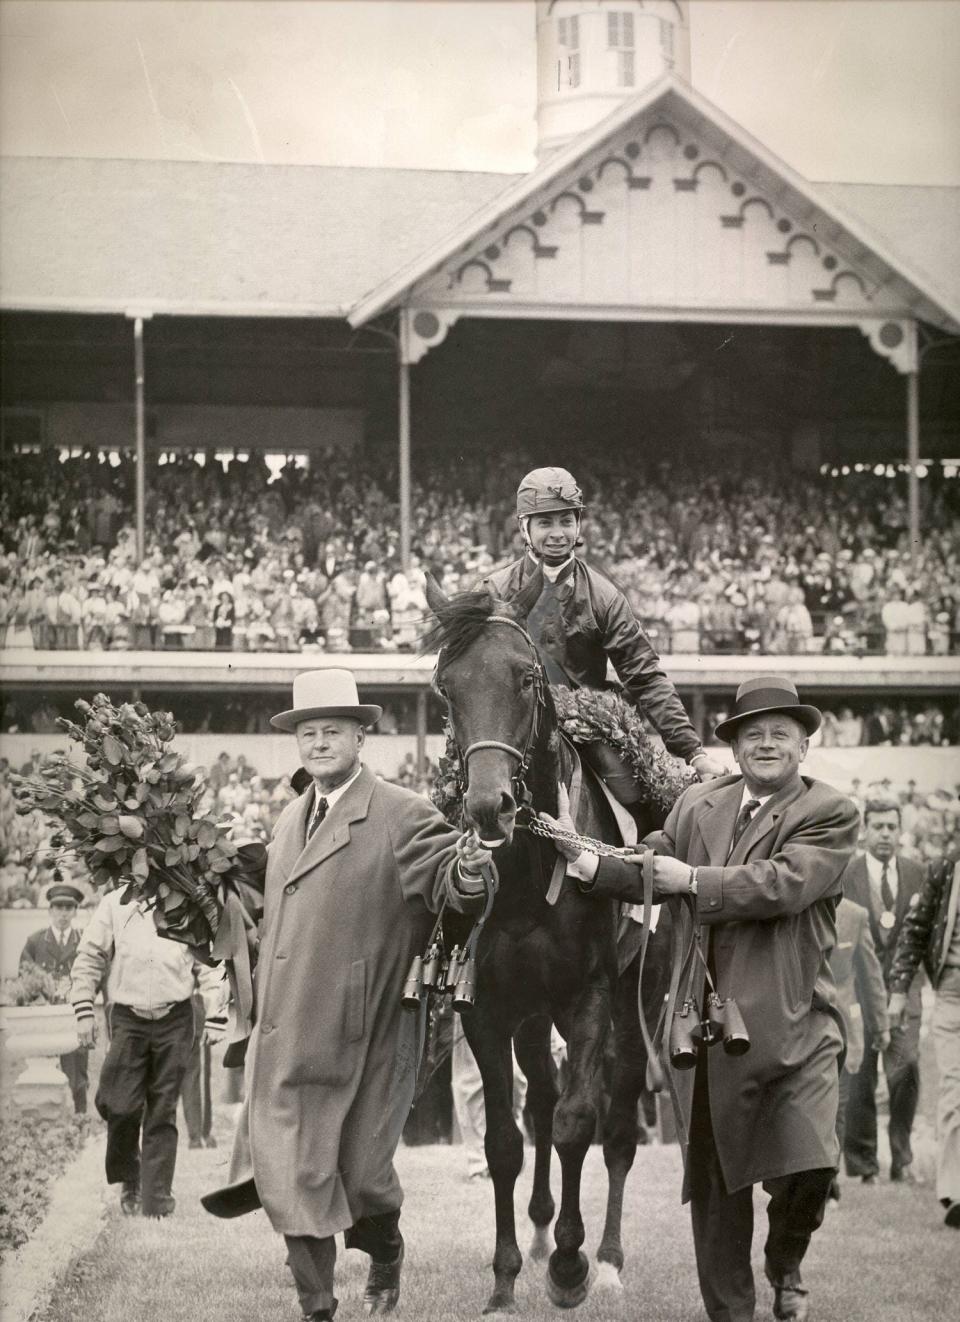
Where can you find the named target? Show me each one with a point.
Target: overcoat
(861, 995)
(768, 913)
(331, 1062)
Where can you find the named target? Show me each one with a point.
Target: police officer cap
(62, 891)
(546, 490)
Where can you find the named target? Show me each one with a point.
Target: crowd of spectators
(711, 562)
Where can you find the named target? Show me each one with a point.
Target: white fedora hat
(325, 693)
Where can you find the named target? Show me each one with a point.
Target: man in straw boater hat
(761, 854)
(582, 620)
(355, 868)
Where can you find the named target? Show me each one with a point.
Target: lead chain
(585, 843)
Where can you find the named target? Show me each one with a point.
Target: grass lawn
(883, 1255)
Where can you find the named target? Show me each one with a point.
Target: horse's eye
(527, 681)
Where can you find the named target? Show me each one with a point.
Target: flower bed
(33, 1155)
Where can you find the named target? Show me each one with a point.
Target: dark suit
(43, 950)
(767, 1117)
(901, 1059)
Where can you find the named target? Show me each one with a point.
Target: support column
(913, 459)
(404, 463)
(421, 756)
(138, 318)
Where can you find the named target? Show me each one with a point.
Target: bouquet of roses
(132, 814)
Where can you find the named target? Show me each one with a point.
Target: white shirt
(875, 874)
(332, 797)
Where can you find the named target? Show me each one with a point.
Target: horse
(539, 963)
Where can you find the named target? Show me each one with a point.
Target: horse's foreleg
(629, 1075)
(532, 1044)
(503, 1144)
(620, 1125)
(574, 1123)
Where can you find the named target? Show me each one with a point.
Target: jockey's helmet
(546, 490)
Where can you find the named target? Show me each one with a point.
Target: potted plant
(38, 1025)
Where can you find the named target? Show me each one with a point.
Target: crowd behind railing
(930, 822)
(717, 562)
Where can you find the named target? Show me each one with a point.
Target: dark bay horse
(538, 963)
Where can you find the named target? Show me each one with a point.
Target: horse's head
(490, 676)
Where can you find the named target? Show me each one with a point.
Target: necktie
(318, 816)
(886, 894)
(743, 821)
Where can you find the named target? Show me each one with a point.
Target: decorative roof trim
(929, 304)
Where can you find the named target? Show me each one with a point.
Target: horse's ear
(435, 598)
(528, 596)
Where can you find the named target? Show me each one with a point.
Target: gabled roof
(213, 238)
(730, 144)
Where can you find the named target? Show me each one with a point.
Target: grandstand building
(660, 285)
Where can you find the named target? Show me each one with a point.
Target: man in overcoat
(931, 934)
(862, 998)
(885, 883)
(355, 869)
(761, 854)
(53, 950)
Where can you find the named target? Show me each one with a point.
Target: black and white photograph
(479, 660)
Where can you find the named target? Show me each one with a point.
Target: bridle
(521, 791)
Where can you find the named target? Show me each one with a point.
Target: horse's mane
(459, 622)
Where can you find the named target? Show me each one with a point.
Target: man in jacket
(582, 620)
(355, 869)
(53, 950)
(150, 983)
(931, 933)
(761, 855)
(862, 998)
(884, 884)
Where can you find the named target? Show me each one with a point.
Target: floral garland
(588, 716)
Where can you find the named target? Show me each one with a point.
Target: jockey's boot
(610, 766)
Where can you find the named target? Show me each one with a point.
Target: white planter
(40, 1034)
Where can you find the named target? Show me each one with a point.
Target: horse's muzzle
(492, 816)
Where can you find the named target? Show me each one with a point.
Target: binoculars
(432, 972)
(722, 1022)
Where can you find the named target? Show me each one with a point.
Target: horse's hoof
(608, 1278)
(501, 1304)
(573, 1295)
(540, 1244)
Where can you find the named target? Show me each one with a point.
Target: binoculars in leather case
(434, 972)
(722, 1022)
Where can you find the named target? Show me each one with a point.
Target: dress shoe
(905, 1175)
(833, 1193)
(791, 1301)
(952, 1217)
(383, 1285)
(130, 1198)
(210, 1141)
(868, 1179)
(195, 1143)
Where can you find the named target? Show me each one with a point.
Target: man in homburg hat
(53, 950)
(760, 854)
(354, 871)
(885, 884)
(582, 620)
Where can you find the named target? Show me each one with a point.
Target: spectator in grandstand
(896, 619)
(224, 614)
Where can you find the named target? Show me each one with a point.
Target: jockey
(582, 619)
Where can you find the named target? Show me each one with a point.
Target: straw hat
(328, 692)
